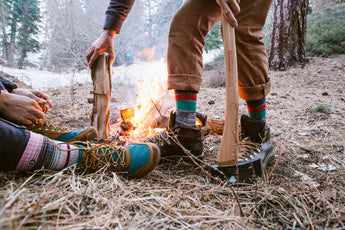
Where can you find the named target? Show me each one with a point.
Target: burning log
(129, 113)
(160, 121)
(102, 81)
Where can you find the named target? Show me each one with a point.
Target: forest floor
(306, 114)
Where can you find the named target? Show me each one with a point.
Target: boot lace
(158, 138)
(46, 125)
(99, 154)
(249, 149)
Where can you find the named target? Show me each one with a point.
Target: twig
(10, 201)
(340, 219)
(298, 221)
(274, 166)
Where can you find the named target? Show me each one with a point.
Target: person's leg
(185, 64)
(23, 150)
(187, 34)
(13, 141)
(254, 83)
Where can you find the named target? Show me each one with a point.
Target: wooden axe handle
(229, 147)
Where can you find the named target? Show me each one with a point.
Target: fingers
(25, 121)
(235, 8)
(46, 97)
(31, 116)
(37, 113)
(89, 53)
(93, 58)
(230, 8)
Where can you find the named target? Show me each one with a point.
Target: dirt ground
(306, 114)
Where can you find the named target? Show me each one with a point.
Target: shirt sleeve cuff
(112, 23)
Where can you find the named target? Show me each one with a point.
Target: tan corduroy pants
(187, 38)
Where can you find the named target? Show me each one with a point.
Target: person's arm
(115, 15)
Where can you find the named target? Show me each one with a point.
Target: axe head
(249, 170)
(243, 173)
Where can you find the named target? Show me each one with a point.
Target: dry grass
(305, 191)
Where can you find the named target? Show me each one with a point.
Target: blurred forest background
(55, 34)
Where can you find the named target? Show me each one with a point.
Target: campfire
(147, 117)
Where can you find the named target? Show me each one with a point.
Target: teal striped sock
(257, 109)
(186, 100)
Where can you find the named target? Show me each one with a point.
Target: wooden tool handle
(229, 148)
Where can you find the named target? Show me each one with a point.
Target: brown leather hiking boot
(256, 143)
(256, 152)
(133, 161)
(61, 133)
(190, 138)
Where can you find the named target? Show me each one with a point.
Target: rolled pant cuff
(256, 92)
(184, 82)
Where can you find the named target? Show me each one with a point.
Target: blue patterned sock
(257, 109)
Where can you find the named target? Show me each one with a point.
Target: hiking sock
(41, 151)
(257, 109)
(185, 108)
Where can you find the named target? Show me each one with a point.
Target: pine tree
(19, 20)
(29, 28)
(13, 12)
(214, 38)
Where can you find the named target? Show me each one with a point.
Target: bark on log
(216, 126)
(102, 82)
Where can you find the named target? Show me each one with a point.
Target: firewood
(216, 126)
(101, 74)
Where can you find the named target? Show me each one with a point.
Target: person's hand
(41, 98)
(230, 8)
(19, 109)
(104, 44)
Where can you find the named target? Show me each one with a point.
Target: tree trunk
(22, 58)
(288, 34)
(4, 32)
(10, 58)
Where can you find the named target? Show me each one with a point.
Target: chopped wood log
(129, 113)
(102, 82)
(216, 126)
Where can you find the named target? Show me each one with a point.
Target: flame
(148, 96)
(198, 122)
(153, 101)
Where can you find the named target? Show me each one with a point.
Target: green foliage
(210, 65)
(21, 17)
(325, 32)
(29, 19)
(321, 109)
(214, 38)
